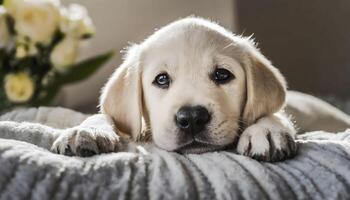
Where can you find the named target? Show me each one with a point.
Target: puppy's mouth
(196, 147)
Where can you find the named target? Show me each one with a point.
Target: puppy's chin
(202, 143)
(198, 148)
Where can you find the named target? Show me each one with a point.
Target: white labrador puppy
(191, 87)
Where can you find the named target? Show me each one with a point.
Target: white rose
(64, 53)
(36, 19)
(4, 32)
(76, 22)
(19, 87)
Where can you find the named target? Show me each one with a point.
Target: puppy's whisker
(229, 45)
(238, 119)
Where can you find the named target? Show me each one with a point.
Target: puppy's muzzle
(192, 120)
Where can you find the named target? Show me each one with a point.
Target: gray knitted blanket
(321, 170)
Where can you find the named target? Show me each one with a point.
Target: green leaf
(83, 69)
(1, 2)
(51, 94)
(76, 73)
(4, 103)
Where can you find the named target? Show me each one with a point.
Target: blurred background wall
(309, 41)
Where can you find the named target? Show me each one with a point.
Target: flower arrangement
(39, 44)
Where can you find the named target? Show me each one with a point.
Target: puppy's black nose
(192, 119)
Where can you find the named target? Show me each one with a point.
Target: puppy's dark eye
(221, 76)
(162, 80)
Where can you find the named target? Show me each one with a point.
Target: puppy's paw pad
(266, 144)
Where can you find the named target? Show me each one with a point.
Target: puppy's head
(194, 85)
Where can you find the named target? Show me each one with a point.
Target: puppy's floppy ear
(121, 97)
(265, 87)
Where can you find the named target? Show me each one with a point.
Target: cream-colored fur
(246, 109)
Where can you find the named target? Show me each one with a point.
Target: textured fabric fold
(321, 170)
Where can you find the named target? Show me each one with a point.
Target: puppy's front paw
(265, 143)
(85, 142)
